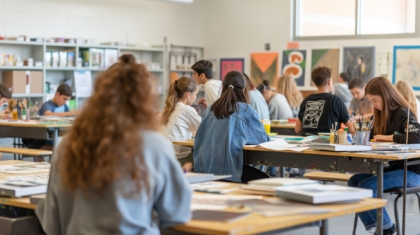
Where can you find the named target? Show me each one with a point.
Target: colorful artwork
(359, 62)
(294, 63)
(328, 58)
(264, 66)
(406, 65)
(227, 65)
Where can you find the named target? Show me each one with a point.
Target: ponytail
(177, 89)
(232, 92)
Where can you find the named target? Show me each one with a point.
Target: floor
(337, 226)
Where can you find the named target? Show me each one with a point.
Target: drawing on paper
(264, 66)
(406, 65)
(328, 58)
(359, 62)
(227, 65)
(294, 63)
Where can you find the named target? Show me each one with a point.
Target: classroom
(280, 117)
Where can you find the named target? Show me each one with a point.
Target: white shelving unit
(56, 75)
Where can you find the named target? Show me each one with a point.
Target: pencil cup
(361, 137)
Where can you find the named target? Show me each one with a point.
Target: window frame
(357, 27)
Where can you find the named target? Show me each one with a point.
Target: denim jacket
(219, 142)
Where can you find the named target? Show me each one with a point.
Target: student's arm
(413, 129)
(173, 202)
(63, 114)
(47, 209)
(255, 131)
(350, 127)
(194, 119)
(298, 127)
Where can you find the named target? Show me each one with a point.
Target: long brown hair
(177, 89)
(391, 101)
(286, 86)
(105, 143)
(407, 92)
(232, 92)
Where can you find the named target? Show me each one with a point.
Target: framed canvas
(326, 57)
(264, 66)
(359, 62)
(294, 64)
(406, 65)
(230, 64)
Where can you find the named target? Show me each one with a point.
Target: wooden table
(31, 129)
(331, 161)
(252, 224)
(283, 129)
(18, 202)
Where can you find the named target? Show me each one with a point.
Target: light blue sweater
(259, 104)
(115, 213)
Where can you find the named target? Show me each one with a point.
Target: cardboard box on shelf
(18, 81)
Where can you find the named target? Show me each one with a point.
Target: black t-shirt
(397, 126)
(319, 111)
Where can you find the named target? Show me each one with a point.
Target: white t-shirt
(182, 123)
(212, 90)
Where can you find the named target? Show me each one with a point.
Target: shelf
(98, 46)
(125, 48)
(28, 95)
(60, 44)
(20, 68)
(10, 42)
(61, 68)
(182, 71)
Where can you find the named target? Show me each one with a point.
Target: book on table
(203, 177)
(274, 182)
(318, 194)
(21, 189)
(340, 147)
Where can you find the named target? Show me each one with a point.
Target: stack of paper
(316, 194)
(340, 147)
(201, 177)
(281, 144)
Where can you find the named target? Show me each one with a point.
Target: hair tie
(231, 87)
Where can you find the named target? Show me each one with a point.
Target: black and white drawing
(313, 112)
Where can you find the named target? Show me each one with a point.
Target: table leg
(323, 230)
(282, 172)
(380, 190)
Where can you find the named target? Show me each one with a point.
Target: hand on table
(389, 138)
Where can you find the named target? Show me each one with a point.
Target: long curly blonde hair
(286, 86)
(407, 92)
(105, 142)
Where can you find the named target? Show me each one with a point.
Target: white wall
(239, 27)
(142, 21)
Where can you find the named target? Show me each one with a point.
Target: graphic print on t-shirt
(313, 112)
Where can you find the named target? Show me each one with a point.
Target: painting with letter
(293, 63)
(406, 65)
(264, 66)
(328, 58)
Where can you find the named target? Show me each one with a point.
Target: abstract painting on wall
(230, 64)
(406, 65)
(264, 66)
(359, 62)
(294, 64)
(328, 58)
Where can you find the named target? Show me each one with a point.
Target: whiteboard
(83, 83)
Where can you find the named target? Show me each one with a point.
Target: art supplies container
(361, 138)
(342, 136)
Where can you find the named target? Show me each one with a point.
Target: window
(350, 18)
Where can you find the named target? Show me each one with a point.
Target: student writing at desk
(360, 104)
(113, 171)
(321, 111)
(390, 125)
(57, 106)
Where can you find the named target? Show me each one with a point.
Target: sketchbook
(340, 147)
(317, 194)
(21, 190)
(26, 168)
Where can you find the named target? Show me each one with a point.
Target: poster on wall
(406, 65)
(294, 63)
(264, 66)
(230, 64)
(359, 62)
(328, 58)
